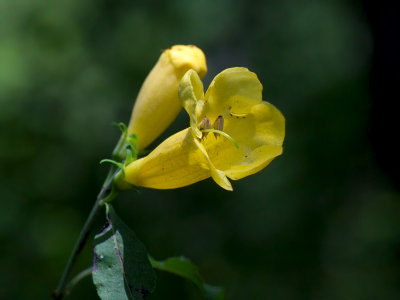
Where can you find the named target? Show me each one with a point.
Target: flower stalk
(103, 196)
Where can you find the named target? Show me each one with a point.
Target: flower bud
(157, 103)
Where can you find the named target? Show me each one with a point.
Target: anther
(205, 124)
(218, 125)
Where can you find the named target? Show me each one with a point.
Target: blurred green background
(321, 222)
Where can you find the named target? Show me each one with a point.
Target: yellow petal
(234, 91)
(260, 136)
(257, 160)
(218, 176)
(190, 92)
(175, 163)
(157, 103)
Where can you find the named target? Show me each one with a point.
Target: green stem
(223, 134)
(74, 281)
(59, 293)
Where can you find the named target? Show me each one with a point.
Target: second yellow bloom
(157, 102)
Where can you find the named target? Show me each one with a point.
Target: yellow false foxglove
(233, 103)
(157, 103)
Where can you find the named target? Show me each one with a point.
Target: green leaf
(181, 266)
(121, 267)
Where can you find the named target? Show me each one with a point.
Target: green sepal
(133, 141)
(126, 141)
(111, 161)
(130, 155)
(124, 153)
(121, 184)
(121, 127)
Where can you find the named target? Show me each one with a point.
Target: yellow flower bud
(157, 103)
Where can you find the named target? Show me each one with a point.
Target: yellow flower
(157, 103)
(233, 105)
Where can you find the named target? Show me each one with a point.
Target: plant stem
(59, 293)
(74, 281)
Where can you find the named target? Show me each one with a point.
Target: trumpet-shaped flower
(247, 135)
(158, 96)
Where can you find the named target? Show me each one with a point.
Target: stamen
(218, 125)
(223, 134)
(205, 124)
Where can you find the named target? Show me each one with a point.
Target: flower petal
(235, 91)
(258, 159)
(218, 176)
(175, 163)
(260, 136)
(190, 93)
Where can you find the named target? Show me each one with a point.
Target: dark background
(321, 222)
